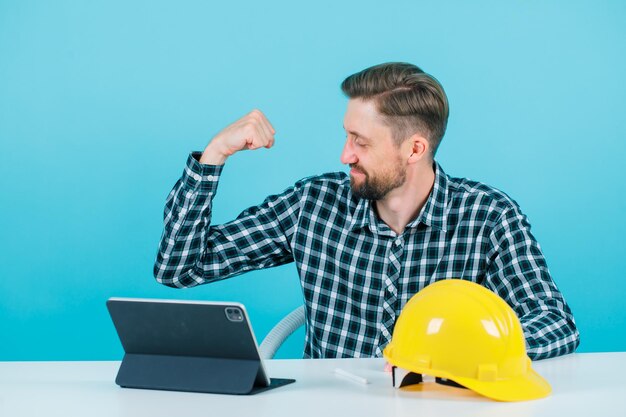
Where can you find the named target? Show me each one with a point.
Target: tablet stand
(194, 374)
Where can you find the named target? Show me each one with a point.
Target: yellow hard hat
(460, 331)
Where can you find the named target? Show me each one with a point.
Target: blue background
(100, 103)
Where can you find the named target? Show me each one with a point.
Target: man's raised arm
(193, 252)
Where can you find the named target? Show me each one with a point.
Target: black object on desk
(191, 346)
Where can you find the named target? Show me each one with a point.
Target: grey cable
(289, 324)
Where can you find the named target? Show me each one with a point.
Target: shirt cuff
(199, 176)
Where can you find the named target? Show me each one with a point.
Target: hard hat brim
(531, 386)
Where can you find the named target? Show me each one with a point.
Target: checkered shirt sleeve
(519, 274)
(193, 252)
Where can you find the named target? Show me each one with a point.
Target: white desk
(588, 385)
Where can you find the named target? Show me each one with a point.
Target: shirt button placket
(390, 296)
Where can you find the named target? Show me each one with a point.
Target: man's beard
(376, 187)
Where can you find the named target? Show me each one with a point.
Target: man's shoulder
(331, 189)
(467, 192)
(332, 180)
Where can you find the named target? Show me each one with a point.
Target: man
(364, 244)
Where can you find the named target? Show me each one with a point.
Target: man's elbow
(169, 279)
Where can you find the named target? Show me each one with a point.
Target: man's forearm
(187, 217)
(520, 275)
(549, 334)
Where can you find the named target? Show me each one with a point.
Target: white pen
(351, 377)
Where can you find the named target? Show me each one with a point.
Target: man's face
(375, 160)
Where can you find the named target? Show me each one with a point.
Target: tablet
(195, 346)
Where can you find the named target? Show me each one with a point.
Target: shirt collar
(361, 215)
(433, 214)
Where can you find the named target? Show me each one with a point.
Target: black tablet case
(187, 346)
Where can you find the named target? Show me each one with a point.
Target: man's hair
(409, 100)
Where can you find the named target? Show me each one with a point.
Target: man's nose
(347, 155)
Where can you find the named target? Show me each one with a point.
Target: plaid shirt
(356, 273)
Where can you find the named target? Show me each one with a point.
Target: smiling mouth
(355, 170)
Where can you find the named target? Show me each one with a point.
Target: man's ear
(420, 148)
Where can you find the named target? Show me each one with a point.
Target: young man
(365, 243)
